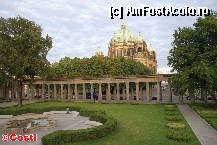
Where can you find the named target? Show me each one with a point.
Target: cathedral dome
(124, 35)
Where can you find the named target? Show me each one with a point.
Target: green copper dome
(124, 35)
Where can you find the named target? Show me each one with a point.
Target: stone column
(32, 91)
(115, 92)
(91, 91)
(150, 91)
(137, 91)
(147, 92)
(37, 90)
(69, 92)
(100, 92)
(127, 91)
(141, 93)
(118, 91)
(158, 91)
(84, 92)
(108, 95)
(61, 91)
(54, 91)
(27, 92)
(170, 91)
(48, 90)
(132, 92)
(43, 91)
(23, 91)
(76, 92)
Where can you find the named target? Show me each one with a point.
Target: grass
(176, 126)
(207, 111)
(137, 124)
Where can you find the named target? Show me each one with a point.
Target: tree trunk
(192, 96)
(31, 88)
(203, 94)
(20, 87)
(182, 98)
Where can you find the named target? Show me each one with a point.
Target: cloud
(78, 28)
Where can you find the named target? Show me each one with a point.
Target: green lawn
(137, 124)
(208, 111)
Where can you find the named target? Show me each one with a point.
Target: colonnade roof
(117, 79)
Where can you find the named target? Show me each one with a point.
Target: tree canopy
(23, 49)
(98, 67)
(194, 56)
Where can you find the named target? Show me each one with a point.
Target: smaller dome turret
(124, 35)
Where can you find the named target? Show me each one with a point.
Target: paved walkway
(63, 122)
(204, 132)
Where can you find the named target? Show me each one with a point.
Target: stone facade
(126, 44)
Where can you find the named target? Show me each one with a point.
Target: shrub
(172, 113)
(212, 122)
(68, 136)
(173, 118)
(171, 109)
(209, 114)
(28, 109)
(170, 106)
(178, 135)
(175, 125)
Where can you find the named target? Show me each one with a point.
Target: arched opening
(139, 49)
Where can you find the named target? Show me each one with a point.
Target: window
(139, 49)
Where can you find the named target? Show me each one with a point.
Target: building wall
(134, 50)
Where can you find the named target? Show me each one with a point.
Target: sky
(80, 27)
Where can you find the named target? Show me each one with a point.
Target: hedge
(69, 136)
(65, 136)
(176, 125)
(178, 135)
(173, 118)
(172, 113)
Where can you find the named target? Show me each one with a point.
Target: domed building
(127, 44)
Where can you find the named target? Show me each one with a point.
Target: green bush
(208, 111)
(176, 125)
(68, 136)
(173, 118)
(171, 109)
(212, 122)
(172, 113)
(29, 109)
(170, 106)
(178, 135)
(208, 114)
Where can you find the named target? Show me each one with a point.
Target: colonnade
(129, 88)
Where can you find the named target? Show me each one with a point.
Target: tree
(23, 49)
(194, 56)
(98, 67)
